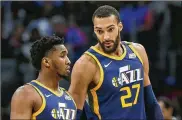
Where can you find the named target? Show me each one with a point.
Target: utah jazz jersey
(54, 106)
(119, 93)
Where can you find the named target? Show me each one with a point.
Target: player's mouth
(68, 69)
(108, 44)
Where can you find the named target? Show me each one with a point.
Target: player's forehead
(61, 49)
(105, 22)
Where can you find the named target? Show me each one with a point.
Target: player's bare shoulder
(140, 48)
(25, 92)
(87, 62)
(84, 70)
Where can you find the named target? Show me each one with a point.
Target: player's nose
(68, 62)
(106, 36)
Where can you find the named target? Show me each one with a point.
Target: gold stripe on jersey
(101, 71)
(95, 103)
(137, 54)
(93, 91)
(109, 56)
(43, 103)
(57, 94)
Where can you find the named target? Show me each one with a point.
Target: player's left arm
(153, 110)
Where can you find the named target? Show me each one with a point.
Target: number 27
(128, 95)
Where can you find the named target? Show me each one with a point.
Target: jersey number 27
(129, 95)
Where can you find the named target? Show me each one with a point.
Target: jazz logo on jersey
(127, 76)
(63, 112)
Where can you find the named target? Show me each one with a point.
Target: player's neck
(50, 81)
(119, 51)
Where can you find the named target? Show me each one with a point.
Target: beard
(111, 49)
(61, 75)
(65, 77)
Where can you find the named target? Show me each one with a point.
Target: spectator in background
(59, 25)
(167, 108)
(16, 37)
(6, 49)
(75, 38)
(135, 17)
(50, 8)
(59, 28)
(26, 68)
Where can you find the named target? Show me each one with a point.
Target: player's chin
(109, 49)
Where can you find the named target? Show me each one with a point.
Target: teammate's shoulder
(141, 51)
(85, 59)
(137, 46)
(22, 92)
(85, 64)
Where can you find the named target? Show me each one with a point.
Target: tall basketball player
(114, 73)
(42, 98)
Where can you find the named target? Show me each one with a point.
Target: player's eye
(62, 55)
(99, 31)
(110, 29)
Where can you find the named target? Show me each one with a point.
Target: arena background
(156, 25)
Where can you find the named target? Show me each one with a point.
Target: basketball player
(42, 98)
(114, 73)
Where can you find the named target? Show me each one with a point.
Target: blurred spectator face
(167, 112)
(107, 30)
(59, 28)
(19, 30)
(59, 25)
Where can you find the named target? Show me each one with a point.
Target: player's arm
(82, 75)
(21, 104)
(153, 110)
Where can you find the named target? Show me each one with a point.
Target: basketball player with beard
(42, 98)
(114, 74)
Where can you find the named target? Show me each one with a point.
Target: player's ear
(46, 62)
(120, 25)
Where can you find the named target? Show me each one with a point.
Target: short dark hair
(41, 47)
(167, 102)
(106, 11)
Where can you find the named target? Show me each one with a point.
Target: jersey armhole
(43, 102)
(101, 71)
(136, 53)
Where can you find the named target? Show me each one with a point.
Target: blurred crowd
(156, 25)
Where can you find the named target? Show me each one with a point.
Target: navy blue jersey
(119, 93)
(54, 106)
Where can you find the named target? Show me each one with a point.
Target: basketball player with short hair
(42, 98)
(114, 73)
